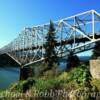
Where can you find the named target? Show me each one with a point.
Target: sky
(17, 14)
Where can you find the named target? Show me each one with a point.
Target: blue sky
(17, 14)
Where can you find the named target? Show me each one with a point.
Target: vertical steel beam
(93, 25)
(75, 30)
(42, 41)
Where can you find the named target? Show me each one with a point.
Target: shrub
(63, 77)
(23, 86)
(54, 71)
(80, 74)
(96, 83)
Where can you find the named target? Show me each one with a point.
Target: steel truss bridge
(77, 33)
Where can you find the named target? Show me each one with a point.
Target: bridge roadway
(63, 42)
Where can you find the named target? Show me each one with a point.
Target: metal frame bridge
(77, 33)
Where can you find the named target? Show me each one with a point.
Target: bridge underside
(77, 33)
(7, 61)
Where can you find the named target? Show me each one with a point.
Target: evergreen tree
(96, 51)
(50, 53)
(72, 61)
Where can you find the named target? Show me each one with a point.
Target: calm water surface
(8, 76)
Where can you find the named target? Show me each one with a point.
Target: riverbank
(52, 84)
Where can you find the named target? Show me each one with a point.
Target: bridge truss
(76, 33)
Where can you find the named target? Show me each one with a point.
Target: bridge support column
(25, 73)
(95, 68)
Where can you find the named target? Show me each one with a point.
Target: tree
(72, 60)
(50, 53)
(96, 51)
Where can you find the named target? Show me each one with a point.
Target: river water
(8, 76)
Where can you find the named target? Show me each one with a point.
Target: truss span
(78, 33)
